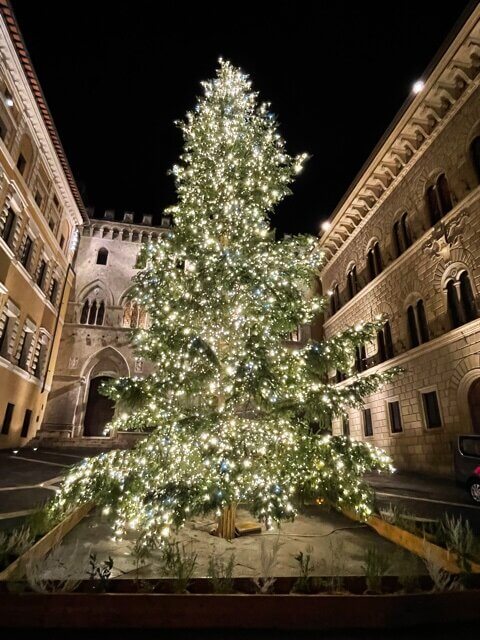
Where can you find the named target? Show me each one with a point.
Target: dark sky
(116, 75)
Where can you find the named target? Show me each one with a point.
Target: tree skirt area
(337, 546)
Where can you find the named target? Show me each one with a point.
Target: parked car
(467, 464)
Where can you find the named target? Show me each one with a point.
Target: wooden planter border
(16, 569)
(413, 543)
(196, 611)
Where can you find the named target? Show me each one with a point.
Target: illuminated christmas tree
(233, 414)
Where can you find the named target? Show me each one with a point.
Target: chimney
(166, 221)
(109, 214)
(147, 219)
(128, 217)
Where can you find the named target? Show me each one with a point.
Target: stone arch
(90, 288)
(465, 373)
(105, 363)
(460, 260)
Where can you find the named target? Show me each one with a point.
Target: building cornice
(451, 79)
(34, 104)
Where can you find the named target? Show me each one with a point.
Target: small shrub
(100, 573)
(178, 562)
(221, 573)
(265, 580)
(141, 552)
(41, 521)
(441, 579)
(337, 568)
(307, 566)
(457, 536)
(55, 573)
(13, 544)
(376, 566)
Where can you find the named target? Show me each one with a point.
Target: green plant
(55, 573)
(441, 579)
(221, 573)
(13, 543)
(100, 572)
(41, 521)
(376, 566)
(336, 568)
(178, 562)
(457, 536)
(307, 566)
(141, 552)
(265, 580)
(408, 579)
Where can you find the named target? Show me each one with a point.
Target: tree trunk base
(226, 523)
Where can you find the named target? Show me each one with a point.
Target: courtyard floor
(337, 546)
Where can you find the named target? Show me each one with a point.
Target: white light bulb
(326, 226)
(418, 86)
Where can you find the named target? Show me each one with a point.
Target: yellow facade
(40, 210)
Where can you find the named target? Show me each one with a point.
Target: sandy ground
(337, 546)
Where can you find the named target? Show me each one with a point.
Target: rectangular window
(9, 226)
(367, 423)
(431, 410)
(345, 426)
(39, 199)
(3, 329)
(26, 423)
(21, 163)
(26, 251)
(22, 346)
(395, 417)
(7, 419)
(53, 291)
(42, 268)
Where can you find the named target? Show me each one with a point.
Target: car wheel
(474, 489)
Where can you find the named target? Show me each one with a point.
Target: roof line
(454, 31)
(34, 83)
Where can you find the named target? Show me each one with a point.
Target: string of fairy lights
(232, 414)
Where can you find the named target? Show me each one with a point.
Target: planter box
(40, 549)
(197, 611)
(413, 543)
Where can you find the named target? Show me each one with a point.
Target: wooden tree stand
(226, 523)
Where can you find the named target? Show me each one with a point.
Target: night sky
(117, 74)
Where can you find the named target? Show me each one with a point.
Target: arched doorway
(99, 409)
(474, 404)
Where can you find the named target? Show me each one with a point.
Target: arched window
(475, 154)
(145, 237)
(125, 234)
(335, 299)
(422, 322)
(374, 260)
(84, 314)
(93, 312)
(385, 343)
(102, 256)
(352, 281)
(412, 328)
(417, 324)
(453, 306)
(134, 317)
(439, 199)
(115, 234)
(397, 240)
(467, 299)
(401, 234)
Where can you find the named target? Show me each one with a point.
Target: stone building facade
(96, 337)
(40, 209)
(405, 242)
